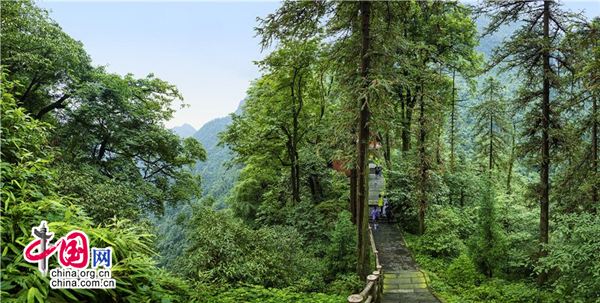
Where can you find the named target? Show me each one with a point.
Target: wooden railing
(371, 292)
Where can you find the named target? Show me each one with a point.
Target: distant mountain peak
(184, 130)
(238, 111)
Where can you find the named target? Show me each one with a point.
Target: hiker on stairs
(375, 213)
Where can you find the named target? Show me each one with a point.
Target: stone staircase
(406, 286)
(376, 186)
(403, 280)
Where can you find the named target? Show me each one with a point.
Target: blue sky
(205, 48)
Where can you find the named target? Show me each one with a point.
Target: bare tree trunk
(544, 171)
(364, 262)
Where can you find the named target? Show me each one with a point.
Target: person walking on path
(375, 215)
(380, 202)
(389, 214)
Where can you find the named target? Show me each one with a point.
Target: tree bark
(407, 120)
(55, 105)
(364, 264)
(102, 148)
(294, 158)
(491, 143)
(353, 197)
(594, 152)
(422, 156)
(511, 162)
(452, 122)
(544, 171)
(387, 153)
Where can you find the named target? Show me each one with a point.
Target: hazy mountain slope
(184, 131)
(217, 179)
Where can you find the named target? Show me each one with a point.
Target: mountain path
(403, 280)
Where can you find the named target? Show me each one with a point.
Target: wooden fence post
(375, 289)
(355, 299)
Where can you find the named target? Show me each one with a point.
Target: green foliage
(464, 186)
(116, 129)
(341, 252)
(487, 243)
(101, 197)
(29, 196)
(401, 188)
(218, 178)
(171, 229)
(255, 293)
(573, 257)
(491, 125)
(346, 284)
(252, 185)
(462, 273)
(287, 224)
(459, 280)
(40, 56)
(442, 237)
(222, 249)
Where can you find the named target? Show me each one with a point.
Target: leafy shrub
(255, 293)
(521, 292)
(521, 226)
(401, 186)
(101, 198)
(346, 284)
(341, 252)
(574, 255)
(487, 243)
(462, 273)
(221, 248)
(441, 238)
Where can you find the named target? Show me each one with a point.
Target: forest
(483, 116)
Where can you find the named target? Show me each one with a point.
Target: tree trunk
(296, 108)
(491, 143)
(55, 105)
(438, 148)
(452, 122)
(102, 148)
(511, 162)
(364, 262)
(594, 152)
(422, 155)
(544, 171)
(407, 121)
(387, 152)
(353, 197)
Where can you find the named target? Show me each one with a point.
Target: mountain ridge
(184, 130)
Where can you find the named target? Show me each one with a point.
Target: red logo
(74, 249)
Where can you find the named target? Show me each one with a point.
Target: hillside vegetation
(484, 119)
